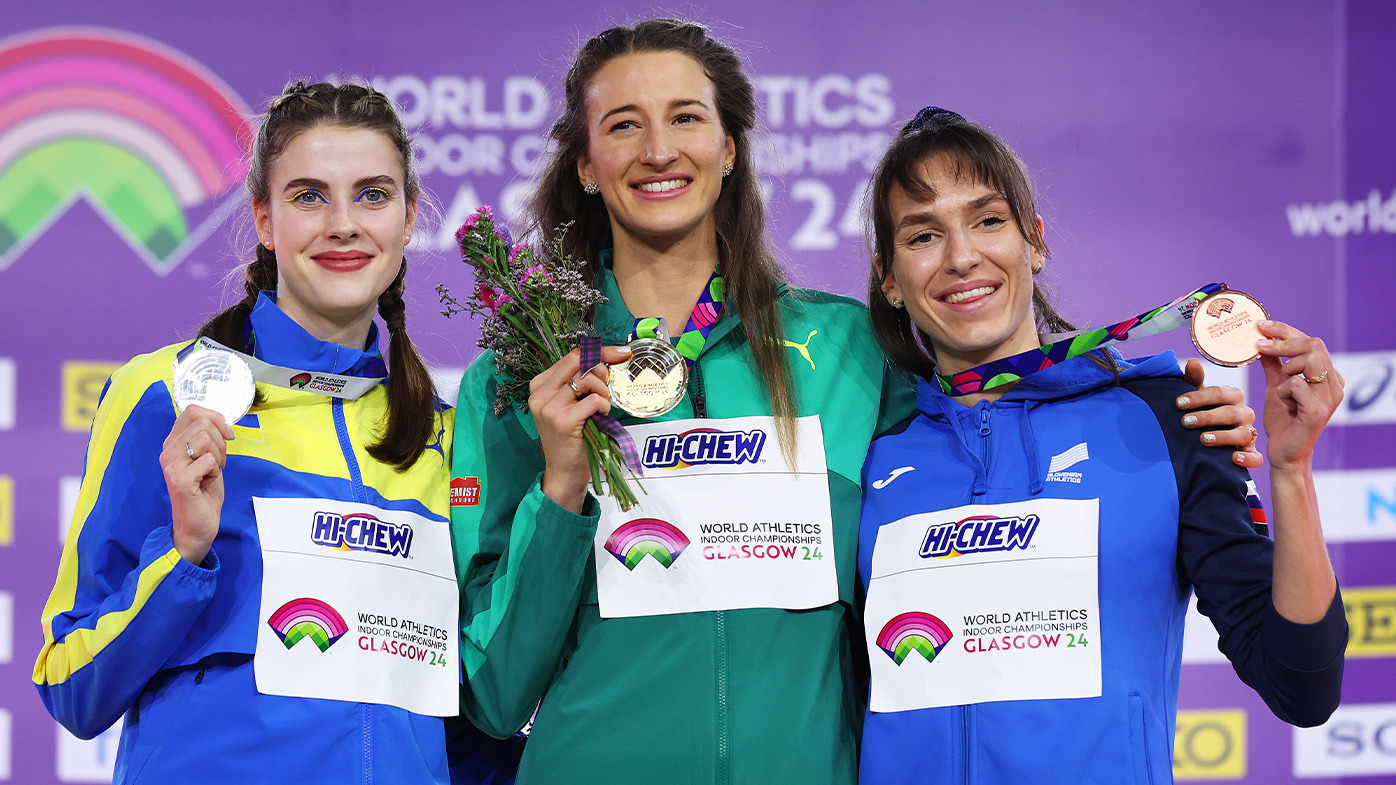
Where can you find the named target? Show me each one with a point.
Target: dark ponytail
(411, 421)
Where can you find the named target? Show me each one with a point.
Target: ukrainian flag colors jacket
(131, 628)
(1174, 518)
(743, 696)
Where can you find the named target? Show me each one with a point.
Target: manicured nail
(1264, 322)
(1183, 400)
(1238, 457)
(1190, 420)
(1265, 343)
(623, 349)
(1209, 438)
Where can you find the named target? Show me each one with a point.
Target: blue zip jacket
(131, 628)
(1174, 518)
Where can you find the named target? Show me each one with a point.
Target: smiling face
(655, 147)
(962, 267)
(337, 217)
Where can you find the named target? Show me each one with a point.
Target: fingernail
(1209, 438)
(1265, 343)
(1238, 457)
(1190, 420)
(623, 349)
(1183, 401)
(1264, 322)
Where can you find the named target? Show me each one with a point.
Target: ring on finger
(189, 451)
(1254, 433)
(571, 383)
(1316, 379)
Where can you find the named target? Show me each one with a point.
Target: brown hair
(301, 107)
(976, 153)
(748, 262)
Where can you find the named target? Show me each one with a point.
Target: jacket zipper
(695, 388)
(365, 710)
(724, 774)
(341, 428)
(964, 734)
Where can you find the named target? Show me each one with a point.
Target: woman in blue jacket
(198, 543)
(1029, 542)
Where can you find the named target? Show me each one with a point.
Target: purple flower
(517, 249)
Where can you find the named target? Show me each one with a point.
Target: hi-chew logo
(702, 446)
(913, 631)
(150, 138)
(300, 380)
(361, 532)
(631, 542)
(308, 618)
(979, 534)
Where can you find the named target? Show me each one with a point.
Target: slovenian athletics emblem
(300, 380)
(632, 542)
(913, 631)
(308, 618)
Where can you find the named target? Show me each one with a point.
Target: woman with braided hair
(189, 553)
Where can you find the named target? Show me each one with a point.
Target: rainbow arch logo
(631, 542)
(149, 137)
(913, 631)
(308, 618)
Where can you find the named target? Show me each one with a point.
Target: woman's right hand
(561, 400)
(193, 457)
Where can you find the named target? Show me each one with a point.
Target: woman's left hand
(1223, 416)
(1300, 395)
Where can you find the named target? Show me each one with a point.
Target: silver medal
(215, 379)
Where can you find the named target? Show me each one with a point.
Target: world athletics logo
(300, 380)
(633, 541)
(913, 631)
(308, 618)
(148, 137)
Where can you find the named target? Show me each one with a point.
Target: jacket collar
(614, 320)
(279, 340)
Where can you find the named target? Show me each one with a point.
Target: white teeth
(662, 186)
(959, 297)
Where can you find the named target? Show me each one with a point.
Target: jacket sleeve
(123, 599)
(520, 560)
(1297, 669)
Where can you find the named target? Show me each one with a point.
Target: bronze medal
(1224, 327)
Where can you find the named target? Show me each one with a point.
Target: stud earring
(895, 303)
(592, 189)
(726, 168)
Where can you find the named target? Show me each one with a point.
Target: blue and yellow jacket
(131, 628)
(1174, 518)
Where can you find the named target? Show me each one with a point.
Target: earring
(592, 189)
(407, 240)
(1037, 268)
(726, 168)
(895, 303)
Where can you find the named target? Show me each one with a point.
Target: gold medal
(1224, 327)
(652, 381)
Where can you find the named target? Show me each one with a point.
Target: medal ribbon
(700, 321)
(1069, 345)
(331, 384)
(591, 358)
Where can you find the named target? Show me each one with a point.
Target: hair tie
(297, 90)
(932, 115)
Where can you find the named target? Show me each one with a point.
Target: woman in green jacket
(707, 635)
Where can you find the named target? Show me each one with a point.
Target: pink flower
(517, 249)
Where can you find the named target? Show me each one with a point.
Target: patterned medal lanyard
(700, 322)
(1012, 369)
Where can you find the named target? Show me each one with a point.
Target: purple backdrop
(1247, 143)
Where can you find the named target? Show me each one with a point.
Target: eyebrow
(679, 104)
(362, 182)
(925, 216)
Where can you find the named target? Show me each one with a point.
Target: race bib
(358, 604)
(985, 603)
(725, 522)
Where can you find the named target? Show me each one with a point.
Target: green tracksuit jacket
(744, 696)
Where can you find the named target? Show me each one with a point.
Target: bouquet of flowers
(534, 310)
